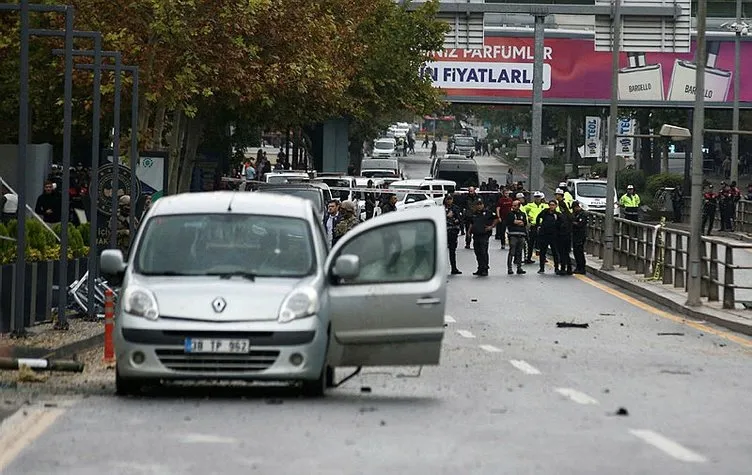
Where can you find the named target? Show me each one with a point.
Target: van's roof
(421, 182)
(588, 180)
(216, 202)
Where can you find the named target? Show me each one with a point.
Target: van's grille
(254, 361)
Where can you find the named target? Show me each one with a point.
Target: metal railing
(660, 254)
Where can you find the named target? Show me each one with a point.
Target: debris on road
(365, 389)
(622, 411)
(672, 371)
(28, 375)
(671, 334)
(473, 300)
(41, 364)
(607, 314)
(572, 325)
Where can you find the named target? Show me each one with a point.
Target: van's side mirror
(111, 263)
(410, 200)
(346, 266)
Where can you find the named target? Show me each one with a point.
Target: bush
(630, 176)
(41, 244)
(663, 180)
(84, 229)
(6, 247)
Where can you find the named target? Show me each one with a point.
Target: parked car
(317, 193)
(384, 148)
(228, 285)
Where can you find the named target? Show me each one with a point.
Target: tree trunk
(159, 123)
(175, 144)
(195, 128)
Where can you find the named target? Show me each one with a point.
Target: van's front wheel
(317, 387)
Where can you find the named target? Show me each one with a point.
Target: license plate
(212, 345)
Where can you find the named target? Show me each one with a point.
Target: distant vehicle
(400, 129)
(384, 148)
(463, 171)
(317, 193)
(244, 286)
(449, 156)
(435, 189)
(387, 169)
(284, 176)
(592, 194)
(343, 181)
(464, 145)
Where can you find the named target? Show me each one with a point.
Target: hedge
(41, 245)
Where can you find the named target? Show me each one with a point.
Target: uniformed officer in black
(483, 222)
(579, 234)
(453, 223)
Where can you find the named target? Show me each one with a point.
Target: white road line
(670, 447)
(449, 319)
(490, 348)
(524, 366)
(576, 396)
(466, 333)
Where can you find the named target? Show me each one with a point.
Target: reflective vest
(568, 199)
(628, 201)
(533, 210)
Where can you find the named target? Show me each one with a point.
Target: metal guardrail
(660, 254)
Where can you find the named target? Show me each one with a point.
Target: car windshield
(310, 194)
(226, 244)
(465, 142)
(383, 145)
(591, 190)
(338, 183)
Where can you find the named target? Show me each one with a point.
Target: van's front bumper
(283, 354)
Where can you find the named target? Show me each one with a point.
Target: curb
(70, 350)
(676, 307)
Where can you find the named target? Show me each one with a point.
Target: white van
(435, 189)
(387, 169)
(384, 148)
(592, 194)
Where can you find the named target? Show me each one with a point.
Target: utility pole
(608, 238)
(698, 126)
(737, 72)
(536, 146)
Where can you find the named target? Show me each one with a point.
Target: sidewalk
(739, 236)
(673, 298)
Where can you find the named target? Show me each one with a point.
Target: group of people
(556, 228)
(725, 201)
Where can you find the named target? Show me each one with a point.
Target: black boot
(453, 262)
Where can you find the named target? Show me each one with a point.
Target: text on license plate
(213, 345)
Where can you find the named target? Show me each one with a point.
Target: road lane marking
(23, 427)
(525, 367)
(490, 348)
(206, 439)
(740, 340)
(449, 319)
(466, 334)
(576, 396)
(668, 446)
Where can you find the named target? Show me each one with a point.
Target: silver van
(242, 286)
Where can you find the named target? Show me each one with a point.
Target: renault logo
(219, 304)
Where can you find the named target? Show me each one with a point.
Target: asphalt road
(417, 166)
(514, 394)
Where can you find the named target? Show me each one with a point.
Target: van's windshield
(226, 244)
(464, 141)
(591, 190)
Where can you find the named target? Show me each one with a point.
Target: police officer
(564, 239)
(630, 202)
(533, 209)
(471, 202)
(453, 223)
(482, 224)
(548, 222)
(579, 234)
(709, 205)
(123, 221)
(568, 198)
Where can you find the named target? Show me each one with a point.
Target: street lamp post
(698, 124)
(740, 29)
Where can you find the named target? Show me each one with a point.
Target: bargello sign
(575, 74)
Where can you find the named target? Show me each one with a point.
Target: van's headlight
(140, 302)
(300, 303)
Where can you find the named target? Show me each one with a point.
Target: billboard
(575, 74)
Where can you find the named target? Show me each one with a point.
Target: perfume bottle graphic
(717, 81)
(641, 81)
